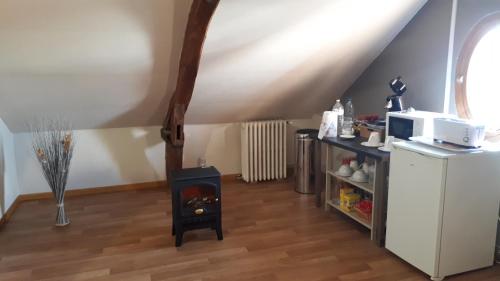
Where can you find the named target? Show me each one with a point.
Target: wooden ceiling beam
(173, 126)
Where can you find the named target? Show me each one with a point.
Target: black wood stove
(196, 201)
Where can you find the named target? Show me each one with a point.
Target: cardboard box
(349, 201)
(364, 131)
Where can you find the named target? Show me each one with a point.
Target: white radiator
(263, 150)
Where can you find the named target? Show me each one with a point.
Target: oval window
(478, 72)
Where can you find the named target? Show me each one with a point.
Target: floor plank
(271, 233)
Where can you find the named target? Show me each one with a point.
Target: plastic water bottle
(348, 118)
(339, 109)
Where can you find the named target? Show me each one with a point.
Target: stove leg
(179, 232)
(218, 228)
(178, 239)
(173, 229)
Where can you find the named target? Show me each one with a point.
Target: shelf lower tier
(352, 215)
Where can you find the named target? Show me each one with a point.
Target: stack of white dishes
(354, 172)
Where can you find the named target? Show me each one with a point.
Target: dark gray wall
(469, 13)
(419, 54)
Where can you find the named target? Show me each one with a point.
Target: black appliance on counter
(394, 102)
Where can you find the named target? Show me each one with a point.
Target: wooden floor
(270, 233)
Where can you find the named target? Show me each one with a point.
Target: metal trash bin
(304, 160)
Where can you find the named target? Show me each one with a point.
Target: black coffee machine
(394, 102)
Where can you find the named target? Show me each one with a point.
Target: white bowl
(345, 171)
(359, 176)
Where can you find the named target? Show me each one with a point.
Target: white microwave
(406, 124)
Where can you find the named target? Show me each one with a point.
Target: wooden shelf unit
(376, 189)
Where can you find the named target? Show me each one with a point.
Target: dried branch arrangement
(53, 143)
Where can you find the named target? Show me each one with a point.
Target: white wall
(218, 144)
(105, 157)
(102, 157)
(9, 188)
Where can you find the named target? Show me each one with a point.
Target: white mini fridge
(442, 208)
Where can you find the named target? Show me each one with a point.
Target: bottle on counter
(339, 109)
(348, 122)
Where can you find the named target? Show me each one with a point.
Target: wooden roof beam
(173, 126)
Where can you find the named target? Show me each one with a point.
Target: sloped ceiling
(113, 63)
(289, 58)
(100, 63)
